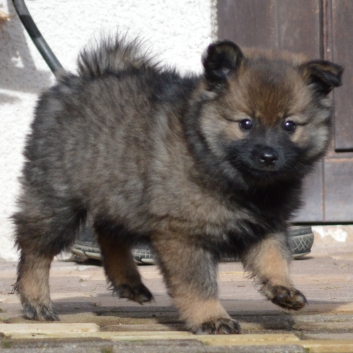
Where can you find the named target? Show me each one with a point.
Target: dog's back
(97, 131)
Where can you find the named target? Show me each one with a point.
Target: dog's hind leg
(33, 286)
(268, 261)
(119, 265)
(41, 232)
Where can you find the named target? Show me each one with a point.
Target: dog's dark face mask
(266, 153)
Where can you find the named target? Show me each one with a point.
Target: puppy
(201, 165)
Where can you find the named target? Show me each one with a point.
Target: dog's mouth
(265, 172)
(260, 172)
(257, 168)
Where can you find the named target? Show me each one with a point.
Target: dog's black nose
(268, 157)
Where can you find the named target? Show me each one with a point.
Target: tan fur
(269, 262)
(33, 284)
(196, 310)
(119, 264)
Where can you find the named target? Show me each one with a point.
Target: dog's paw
(221, 326)
(137, 293)
(288, 298)
(40, 312)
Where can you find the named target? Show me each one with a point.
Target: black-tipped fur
(146, 152)
(220, 60)
(113, 55)
(325, 74)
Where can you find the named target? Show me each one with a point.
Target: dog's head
(265, 114)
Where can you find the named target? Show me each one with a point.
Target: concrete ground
(94, 321)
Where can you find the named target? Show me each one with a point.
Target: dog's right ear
(220, 60)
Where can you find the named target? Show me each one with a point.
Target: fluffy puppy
(200, 165)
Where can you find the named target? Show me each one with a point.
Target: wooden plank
(248, 22)
(214, 340)
(251, 339)
(285, 24)
(328, 346)
(313, 204)
(342, 28)
(299, 26)
(259, 340)
(338, 186)
(53, 328)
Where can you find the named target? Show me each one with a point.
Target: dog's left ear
(324, 74)
(220, 60)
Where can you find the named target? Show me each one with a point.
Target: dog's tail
(113, 55)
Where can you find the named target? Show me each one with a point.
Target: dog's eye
(289, 126)
(245, 124)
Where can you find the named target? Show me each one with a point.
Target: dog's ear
(325, 75)
(220, 60)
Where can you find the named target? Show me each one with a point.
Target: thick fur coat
(201, 165)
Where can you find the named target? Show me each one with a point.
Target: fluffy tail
(113, 55)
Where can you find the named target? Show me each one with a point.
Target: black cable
(37, 37)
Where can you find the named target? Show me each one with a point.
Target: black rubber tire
(301, 239)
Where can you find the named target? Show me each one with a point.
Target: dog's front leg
(190, 273)
(269, 261)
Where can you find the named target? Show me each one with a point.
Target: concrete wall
(178, 30)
